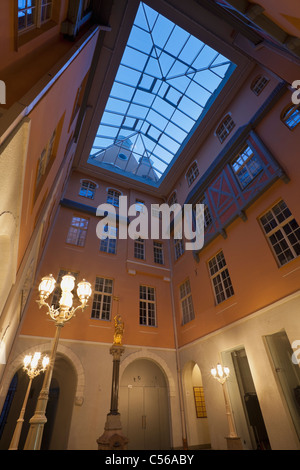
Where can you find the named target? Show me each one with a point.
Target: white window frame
(291, 116)
(113, 196)
(147, 306)
(192, 173)
(158, 252)
(207, 214)
(43, 7)
(220, 278)
(38, 21)
(109, 244)
(139, 248)
(258, 84)
(280, 228)
(103, 297)
(186, 301)
(77, 231)
(178, 248)
(225, 127)
(246, 162)
(87, 186)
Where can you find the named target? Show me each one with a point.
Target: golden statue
(119, 329)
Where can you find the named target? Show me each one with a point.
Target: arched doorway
(144, 406)
(59, 409)
(195, 409)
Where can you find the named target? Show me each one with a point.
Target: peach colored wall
(90, 262)
(256, 278)
(56, 104)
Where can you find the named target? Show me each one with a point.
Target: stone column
(113, 438)
(116, 351)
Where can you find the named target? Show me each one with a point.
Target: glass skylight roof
(166, 81)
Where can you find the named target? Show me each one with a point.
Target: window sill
(27, 36)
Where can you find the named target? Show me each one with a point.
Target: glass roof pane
(164, 83)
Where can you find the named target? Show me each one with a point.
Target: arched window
(224, 128)
(258, 84)
(192, 173)
(113, 197)
(291, 116)
(87, 189)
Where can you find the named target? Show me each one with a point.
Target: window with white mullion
(147, 306)
(139, 248)
(27, 14)
(87, 189)
(206, 213)
(46, 10)
(220, 278)
(77, 231)
(291, 116)
(225, 128)
(186, 300)
(158, 252)
(282, 232)
(113, 197)
(178, 247)
(246, 166)
(109, 244)
(192, 173)
(33, 13)
(102, 300)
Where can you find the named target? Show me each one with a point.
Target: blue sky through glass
(166, 81)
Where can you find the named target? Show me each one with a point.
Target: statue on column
(119, 329)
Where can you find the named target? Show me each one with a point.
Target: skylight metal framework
(166, 81)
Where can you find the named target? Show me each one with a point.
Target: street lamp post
(33, 367)
(60, 316)
(221, 374)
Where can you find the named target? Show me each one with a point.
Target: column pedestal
(112, 438)
(234, 443)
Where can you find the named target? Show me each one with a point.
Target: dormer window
(87, 189)
(192, 173)
(224, 128)
(258, 84)
(113, 197)
(291, 116)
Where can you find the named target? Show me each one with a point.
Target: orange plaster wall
(44, 119)
(90, 262)
(256, 278)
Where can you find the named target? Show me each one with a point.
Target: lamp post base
(234, 443)
(112, 438)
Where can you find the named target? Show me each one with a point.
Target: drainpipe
(179, 378)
